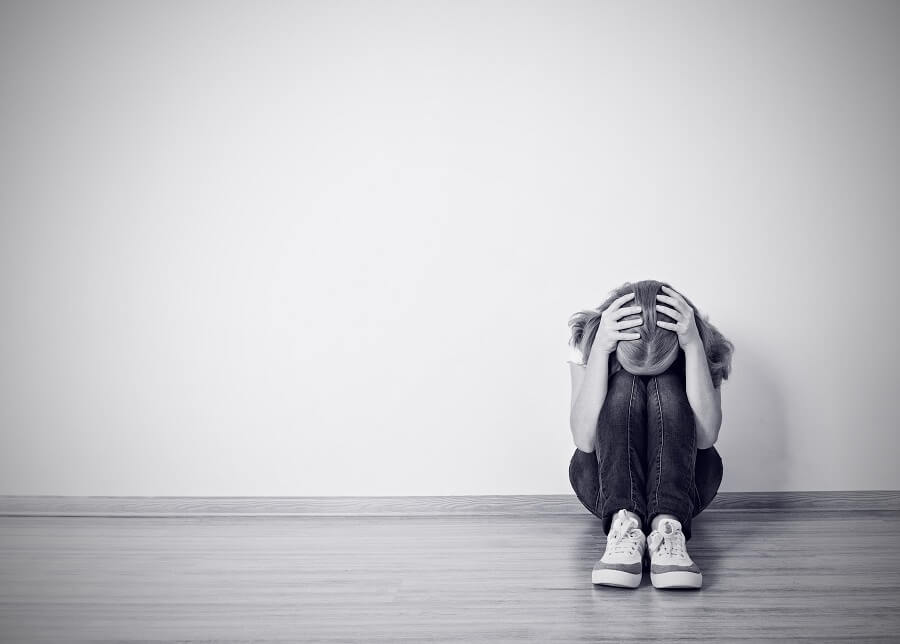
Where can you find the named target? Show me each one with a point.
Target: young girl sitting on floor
(646, 411)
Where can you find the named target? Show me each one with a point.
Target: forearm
(702, 396)
(589, 402)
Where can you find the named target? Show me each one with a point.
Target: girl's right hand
(609, 331)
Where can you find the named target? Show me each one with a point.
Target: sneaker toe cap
(633, 568)
(661, 568)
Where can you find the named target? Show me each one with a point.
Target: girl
(646, 411)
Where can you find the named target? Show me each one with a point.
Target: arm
(705, 399)
(589, 384)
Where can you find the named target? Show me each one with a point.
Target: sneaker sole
(618, 578)
(676, 579)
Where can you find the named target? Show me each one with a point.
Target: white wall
(330, 248)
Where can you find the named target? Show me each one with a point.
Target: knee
(622, 387)
(669, 383)
(668, 391)
(626, 396)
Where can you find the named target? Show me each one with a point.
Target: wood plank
(829, 576)
(140, 506)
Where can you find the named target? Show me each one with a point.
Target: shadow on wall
(753, 439)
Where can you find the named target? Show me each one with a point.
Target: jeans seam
(628, 450)
(662, 434)
(692, 471)
(599, 476)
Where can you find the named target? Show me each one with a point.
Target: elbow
(707, 439)
(584, 440)
(706, 442)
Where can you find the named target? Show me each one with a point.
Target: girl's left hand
(685, 325)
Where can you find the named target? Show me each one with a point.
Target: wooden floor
(819, 576)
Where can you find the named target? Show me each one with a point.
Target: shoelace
(672, 544)
(624, 540)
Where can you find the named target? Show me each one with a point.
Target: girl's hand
(685, 325)
(609, 331)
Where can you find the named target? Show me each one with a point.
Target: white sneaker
(670, 564)
(622, 563)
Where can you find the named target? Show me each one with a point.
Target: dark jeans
(646, 459)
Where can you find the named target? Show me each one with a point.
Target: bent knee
(622, 388)
(670, 386)
(668, 396)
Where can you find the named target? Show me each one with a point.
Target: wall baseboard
(165, 506)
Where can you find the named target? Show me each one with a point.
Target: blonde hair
(656, 343)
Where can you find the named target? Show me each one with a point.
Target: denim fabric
(646, 459)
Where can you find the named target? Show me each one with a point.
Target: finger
(678, 304)
(675, 294)
(619, 301)
(626, 324)
(672, 313)
(667, 325)
(627, 336)
(629, 310)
